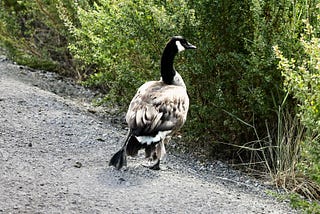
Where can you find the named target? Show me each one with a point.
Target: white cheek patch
(179, 46)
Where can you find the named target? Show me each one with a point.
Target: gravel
(54, 152)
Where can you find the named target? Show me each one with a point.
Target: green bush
(122, 41)
(33, 35)
(236, 77)
(302, 80)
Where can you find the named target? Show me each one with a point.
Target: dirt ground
(54, 152)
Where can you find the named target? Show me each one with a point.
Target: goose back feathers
(157, 107)
(157, 111)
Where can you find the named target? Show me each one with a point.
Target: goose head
(175, 45)
(181, 43)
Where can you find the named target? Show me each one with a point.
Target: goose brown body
(157, 111)
(157, 107)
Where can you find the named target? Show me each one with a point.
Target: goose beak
(190, 46)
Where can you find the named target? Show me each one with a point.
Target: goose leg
(156, 166)
(159, 155)
(153, 165)
(119, 159)
(161, 149)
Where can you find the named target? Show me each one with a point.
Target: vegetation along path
(54, 148)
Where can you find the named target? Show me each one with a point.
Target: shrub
(33, 35)
(122, 41)
(301, 79)
(236, 75)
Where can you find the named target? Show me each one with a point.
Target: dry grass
(298, 183)
(286, 172)
(279, 154)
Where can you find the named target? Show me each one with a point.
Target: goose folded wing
(150, 113)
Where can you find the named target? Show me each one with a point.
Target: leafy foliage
(121, 41)
(33, 35)
(301, 79)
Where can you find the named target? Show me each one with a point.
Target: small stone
(100, 139)
(78, 164)
(93, 111)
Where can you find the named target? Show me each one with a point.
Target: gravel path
(54, 148)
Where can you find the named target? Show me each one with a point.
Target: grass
(279, 154)
(298, 202)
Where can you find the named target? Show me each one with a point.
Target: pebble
(78, 164)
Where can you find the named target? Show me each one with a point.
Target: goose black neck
(167, 70)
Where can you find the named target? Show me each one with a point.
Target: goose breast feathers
(157, 107)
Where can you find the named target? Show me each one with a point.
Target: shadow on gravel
(131, 176)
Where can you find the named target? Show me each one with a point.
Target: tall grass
(284, 165)
(280, 153)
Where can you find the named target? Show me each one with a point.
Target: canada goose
(157, 111)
